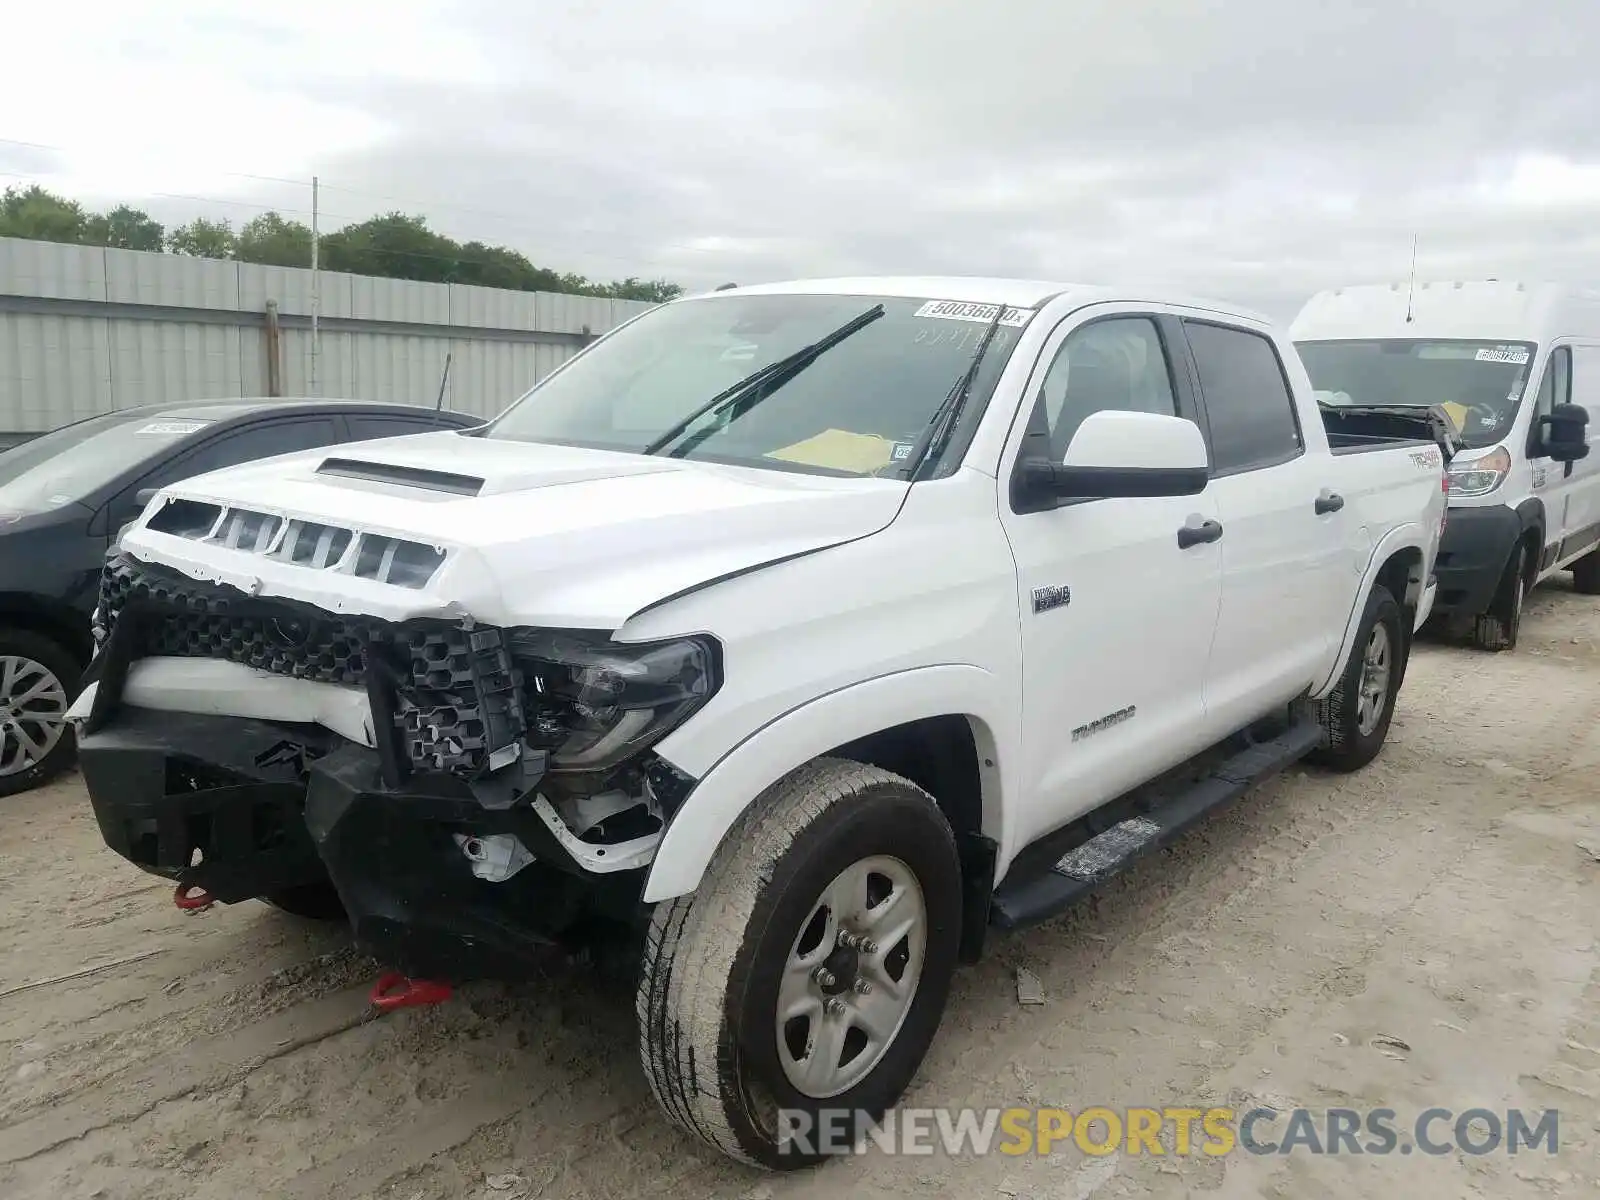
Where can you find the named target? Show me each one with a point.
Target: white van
(1516, 366)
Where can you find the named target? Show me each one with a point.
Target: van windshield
(1479, 383)
(856, 409)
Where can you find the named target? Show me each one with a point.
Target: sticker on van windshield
(960, 310)
(169, 428)
(1515, 355)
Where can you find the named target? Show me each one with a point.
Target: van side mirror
(144, 495)
(1563, 434)
(1122, 454)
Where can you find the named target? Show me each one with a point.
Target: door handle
(1193, 535)
(1329, 502)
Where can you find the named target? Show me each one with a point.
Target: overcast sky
(1251, 149)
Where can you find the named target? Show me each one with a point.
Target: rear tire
(309, 901)
(1357, 713)
(1497, 629)
(39, 679)
(1586, 574)
(720, 966)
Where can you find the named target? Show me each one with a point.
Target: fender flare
(1403, 537)
(699, 826)
(1531, 513)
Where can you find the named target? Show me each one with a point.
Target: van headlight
(1482, 475)
(592, 702)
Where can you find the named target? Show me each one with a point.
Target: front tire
(1586, 574)
(1497, 629)
(750, 999)
(1357, 713)
(38, 682)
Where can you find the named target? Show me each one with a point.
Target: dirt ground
(1442, 898)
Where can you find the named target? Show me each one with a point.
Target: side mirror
(1563, 434)
(144, 495)
(1124, 454)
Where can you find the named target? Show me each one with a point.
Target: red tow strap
(189, 898)
(394, 990)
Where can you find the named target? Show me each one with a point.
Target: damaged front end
(500, 794)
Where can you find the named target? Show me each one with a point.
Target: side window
(246, 445)
(1251, 413)
(367, 428)
(1556, 385)
(1118, 363)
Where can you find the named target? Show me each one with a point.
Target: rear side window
(370, 428)
(1251, 413)
(246, 445)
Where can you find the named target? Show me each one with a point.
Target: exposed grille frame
(458, 694)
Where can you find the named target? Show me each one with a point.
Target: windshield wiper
(766, 381)
(942, 424)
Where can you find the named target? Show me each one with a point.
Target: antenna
(443, 381)
(1411, 287)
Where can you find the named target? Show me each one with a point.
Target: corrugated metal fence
(84, 330)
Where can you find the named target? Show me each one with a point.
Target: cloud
(1237, 148)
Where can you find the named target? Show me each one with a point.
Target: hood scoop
(421, 478)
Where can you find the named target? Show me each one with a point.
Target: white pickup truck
(804, 633)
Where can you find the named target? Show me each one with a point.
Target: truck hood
(530, 533)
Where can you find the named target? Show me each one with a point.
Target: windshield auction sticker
(960, 310)
(1515, 355)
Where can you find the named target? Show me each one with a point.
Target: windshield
(855, 409)
(1478, 383)
(70, 463)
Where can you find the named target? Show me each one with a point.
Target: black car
(65, 496)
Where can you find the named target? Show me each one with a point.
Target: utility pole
(316, 287)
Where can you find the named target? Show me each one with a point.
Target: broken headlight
(592, 703)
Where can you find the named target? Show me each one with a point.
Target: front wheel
(1497, 629)
(1356, 714)
(38, 681)
(1586, 574)
(789, 1001)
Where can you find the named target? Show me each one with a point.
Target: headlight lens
(595, 702)
(1482, 475)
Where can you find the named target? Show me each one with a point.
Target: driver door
(1117, 616)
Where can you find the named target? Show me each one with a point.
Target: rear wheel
(38, 680)
(1357, 713)
(1586, 574)
(807, 975)
(1497, 629)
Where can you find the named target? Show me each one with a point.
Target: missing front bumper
(208, 802)
(412, 897)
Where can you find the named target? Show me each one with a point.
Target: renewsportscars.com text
(1175, 1131)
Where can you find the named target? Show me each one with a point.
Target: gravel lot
(1442, 898)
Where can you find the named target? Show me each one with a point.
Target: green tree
(32, 212)
(126, 229)
(396, 245)
(275, 241)
(201, 238)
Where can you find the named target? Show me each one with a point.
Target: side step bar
(1019, 903)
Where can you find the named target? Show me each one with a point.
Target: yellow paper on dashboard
(839, 450)
(1457, 412)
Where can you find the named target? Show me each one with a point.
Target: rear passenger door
(1281, 557)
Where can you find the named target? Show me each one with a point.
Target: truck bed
(1356, 429)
